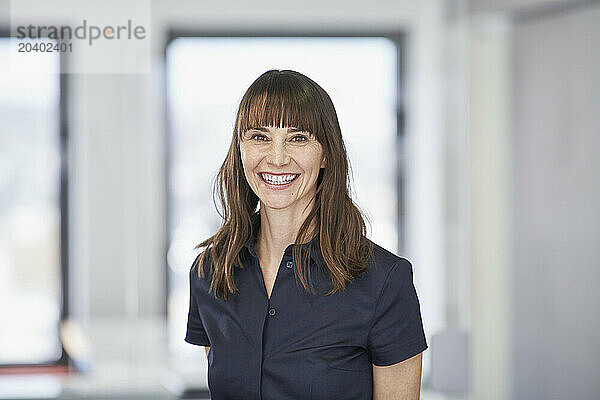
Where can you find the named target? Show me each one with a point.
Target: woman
(293, 301)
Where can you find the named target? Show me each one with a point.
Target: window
(32, 210)
(206, 78)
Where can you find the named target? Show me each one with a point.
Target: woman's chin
(276, 204)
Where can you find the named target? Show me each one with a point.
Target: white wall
(534, 198)
(557, 198)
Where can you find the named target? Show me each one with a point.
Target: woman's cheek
(246, 157)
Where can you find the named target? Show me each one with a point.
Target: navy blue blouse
(296, 345)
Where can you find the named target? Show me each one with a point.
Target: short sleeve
(195, 329)
(396, 332)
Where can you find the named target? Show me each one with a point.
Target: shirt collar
(315, 249)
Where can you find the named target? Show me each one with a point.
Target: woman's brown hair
(285, 98)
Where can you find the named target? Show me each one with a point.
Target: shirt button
(289, 264)
(272, 311)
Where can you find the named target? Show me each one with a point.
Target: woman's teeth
(278, 179)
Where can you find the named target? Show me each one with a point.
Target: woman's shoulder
(202, 261)
(382, 262)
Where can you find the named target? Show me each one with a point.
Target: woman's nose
(278, 154)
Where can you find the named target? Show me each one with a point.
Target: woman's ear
(323, 163)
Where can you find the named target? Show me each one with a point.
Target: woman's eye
(258, 137)
(299, 138)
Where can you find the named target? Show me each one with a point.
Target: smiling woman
(356, 308)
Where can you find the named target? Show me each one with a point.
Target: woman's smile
(278, 181)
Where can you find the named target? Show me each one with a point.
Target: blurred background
(473, 133)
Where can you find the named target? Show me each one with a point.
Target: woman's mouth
(278, 182)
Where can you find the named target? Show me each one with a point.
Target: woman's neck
(278, 229)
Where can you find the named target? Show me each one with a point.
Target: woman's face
(281, 166)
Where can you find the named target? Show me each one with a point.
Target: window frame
(63, 363)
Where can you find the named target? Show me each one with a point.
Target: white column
(490, 213)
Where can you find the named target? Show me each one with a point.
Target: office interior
(473, 133)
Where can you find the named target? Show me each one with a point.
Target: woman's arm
(401, 381)
(207, 348)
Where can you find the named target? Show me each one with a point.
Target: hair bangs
(279, 101)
